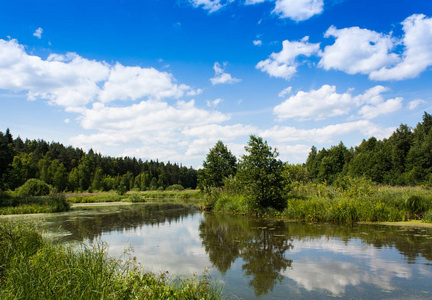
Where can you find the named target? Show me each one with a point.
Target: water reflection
(265, 259)
(263, 249)
(313, 257)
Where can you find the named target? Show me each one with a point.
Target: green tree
(59, 175)
(260, 173)
(219, 164)
(7, 154)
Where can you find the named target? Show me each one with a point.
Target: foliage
(34, 268)
(33, 187)
(71, 169)
(405, 158)
(175, 187)
(260, 174)
(29, 205)
(219, 164)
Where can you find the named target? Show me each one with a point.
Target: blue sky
(167, 79)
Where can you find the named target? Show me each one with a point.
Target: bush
(33, 187)
(175, 187)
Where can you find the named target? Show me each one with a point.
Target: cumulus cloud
(357, 50)
(221, 77)
(38, 33)
(284, 64)
(316, 104)
(298, 10)
(70, 80)
(132, 83)
(154, 128)
(326, 102)
(368, 52)
(417, 55)
(67, 80)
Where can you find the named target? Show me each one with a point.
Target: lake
(259, 258)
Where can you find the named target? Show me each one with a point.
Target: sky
(167, 79)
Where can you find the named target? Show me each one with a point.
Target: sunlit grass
(33, 268)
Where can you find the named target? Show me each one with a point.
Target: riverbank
(11, 204)
(355, 201)
(32, 267)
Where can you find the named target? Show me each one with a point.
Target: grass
(28, 205)
(351, 200)
(32, 267)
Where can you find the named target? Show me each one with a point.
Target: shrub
(175, 187)
(33, 187)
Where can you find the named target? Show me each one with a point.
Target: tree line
(72, 169)
(261, 180)
(405, 158)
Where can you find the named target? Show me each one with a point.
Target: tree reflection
(262, 249)
(121, 218)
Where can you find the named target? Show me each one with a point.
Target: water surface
(265, 259)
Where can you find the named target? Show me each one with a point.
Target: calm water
(260, 258)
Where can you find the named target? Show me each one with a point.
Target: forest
(404, 159)
(71, 169)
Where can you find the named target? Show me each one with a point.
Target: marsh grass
(136, 196)
(34, 268)
(348, 200)
(27, 205)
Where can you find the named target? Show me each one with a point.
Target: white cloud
(257, 42)
(284, 64)
(214, 103)
(221, 77)
(417, 55)
(132, 83)
(204, 137)
(151, 129)
(285, 91)
(364, 51)
(357, 50)
(298, 10)
(283, 134)
(71, 80)
(415, 103)
(66, 121)
(210, 5)
(316, 104)
(373, 111)
(326, 102)
(251, 2)
(38, 33)
(66, 80)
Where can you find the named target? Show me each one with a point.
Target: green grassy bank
(135, 196)
(33, 268)
(353, 200)
(10, 204)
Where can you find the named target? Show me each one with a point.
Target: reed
(34, 268)
(348, 200)
(40, 204)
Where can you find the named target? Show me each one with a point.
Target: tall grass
(34, 268)
(26, 205)
(348, 200)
